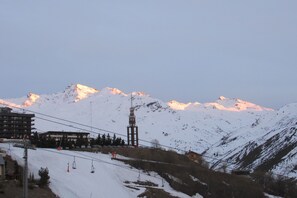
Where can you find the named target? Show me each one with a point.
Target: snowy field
(109, 179)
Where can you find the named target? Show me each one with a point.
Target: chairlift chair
(74, 164)
(92, 168)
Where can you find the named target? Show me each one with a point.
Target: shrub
(276, 185)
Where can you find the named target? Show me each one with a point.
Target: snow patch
(175, 105)
(112, 91)
(197, 180)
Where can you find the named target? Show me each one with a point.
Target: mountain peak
(78, 92)
(222, 98)
(236, 105)
(31, 99)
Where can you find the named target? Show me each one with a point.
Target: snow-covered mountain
(244, 134)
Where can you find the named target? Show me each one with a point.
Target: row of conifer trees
(101, 140)
(106, 140)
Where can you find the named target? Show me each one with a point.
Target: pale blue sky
(188, 50)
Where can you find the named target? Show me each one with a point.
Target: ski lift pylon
(138, 175)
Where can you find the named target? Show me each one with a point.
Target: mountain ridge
(224, 130)
(77, 92)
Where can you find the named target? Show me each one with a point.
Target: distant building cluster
(20, 125)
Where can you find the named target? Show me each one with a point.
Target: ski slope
(109, 180)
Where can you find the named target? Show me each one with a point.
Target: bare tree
(155, 143)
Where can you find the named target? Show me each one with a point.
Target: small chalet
(195, 157)
(65, 136)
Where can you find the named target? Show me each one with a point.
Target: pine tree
(98, 140)
(123, 142)
(44, 177)
(108, 140)
(103, 140)
(118, 142)
(114, 140)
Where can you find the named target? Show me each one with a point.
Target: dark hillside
(186, 176)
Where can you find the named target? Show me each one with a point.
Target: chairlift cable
(104, 130)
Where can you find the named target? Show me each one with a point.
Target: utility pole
(25, 171)
(91, 112)
(25, 142)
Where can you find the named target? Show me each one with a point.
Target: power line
(100, 129)
(219, 160)
(88, 130)
(71, 126)
(89, 158)
(84, 125)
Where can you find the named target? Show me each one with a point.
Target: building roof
(1, 160)
(6, 111)
(192, 152)
(17, 114)
(64, 132)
